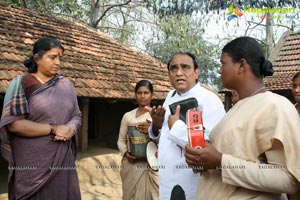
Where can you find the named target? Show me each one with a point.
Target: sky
(219, 30)
(224, 30)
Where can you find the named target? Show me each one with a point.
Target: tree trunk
(269, 34)
(95, 14)
(31, 4)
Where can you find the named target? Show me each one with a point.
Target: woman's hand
(63, 133)
(207, 158)
(143, 127)
(129, 157)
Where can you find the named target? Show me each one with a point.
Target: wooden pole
(83, 131)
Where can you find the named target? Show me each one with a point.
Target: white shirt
(173, 170)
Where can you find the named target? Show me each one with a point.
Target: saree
(138, 180)
(39, 167)
(259, 139)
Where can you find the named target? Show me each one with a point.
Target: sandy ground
(98, 171)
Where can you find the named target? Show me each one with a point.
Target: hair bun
(30, 64)
(267, 68)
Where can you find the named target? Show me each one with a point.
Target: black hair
(249, 49)
(296, 76)
(145, 83)
(40, 47)
(184, 53)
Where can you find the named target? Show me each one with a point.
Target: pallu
(138, 181)
(39, 167)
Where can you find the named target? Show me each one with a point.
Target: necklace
(39, 79)
(258, 91)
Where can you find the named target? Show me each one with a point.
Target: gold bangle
(53, 129)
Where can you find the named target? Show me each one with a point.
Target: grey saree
(39, 167)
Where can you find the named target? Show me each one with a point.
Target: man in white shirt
(172, 132)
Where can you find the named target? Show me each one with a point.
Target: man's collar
(186, 92)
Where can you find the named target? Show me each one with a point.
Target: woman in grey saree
(39, 131)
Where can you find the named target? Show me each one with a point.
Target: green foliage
(114, 21)
(123, 35)
(179, 24)
(16, 2)
(168, 8)
(183, 34)
(186, 7)
(68, 8)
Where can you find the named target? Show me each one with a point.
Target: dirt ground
(98, 171)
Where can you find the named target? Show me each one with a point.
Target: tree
(165, 23)
(270, 20)
(115, 17)
(186, 7)
(183, 34)
(118, 18)
(66, 8)
(192, 7)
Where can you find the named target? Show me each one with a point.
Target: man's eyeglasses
(183, 68)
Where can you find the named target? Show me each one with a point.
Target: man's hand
(173, 118)
(158, 116)
(143, 126)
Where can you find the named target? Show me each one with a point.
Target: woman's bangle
(53, 129)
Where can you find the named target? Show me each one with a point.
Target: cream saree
(260, 141)
(139, 182)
